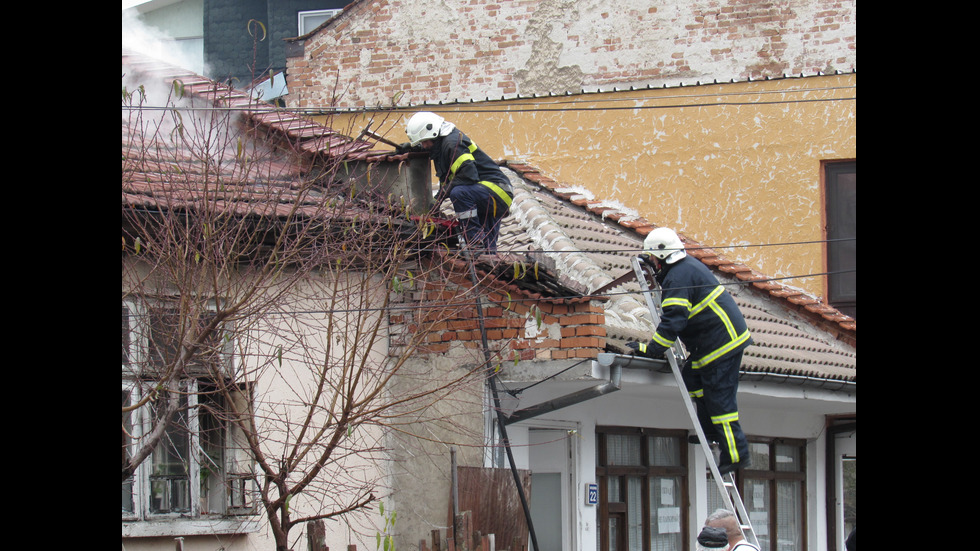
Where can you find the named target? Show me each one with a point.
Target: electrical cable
(519, 391)
(312, 112)
(456, 106)
(637, 251)
(560, 297)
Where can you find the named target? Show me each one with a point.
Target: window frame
(230, 519)
(619, 511)
(840, 217)
(771, 475)
(302, 28)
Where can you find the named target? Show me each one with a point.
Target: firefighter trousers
(480, 212)
(714, 388)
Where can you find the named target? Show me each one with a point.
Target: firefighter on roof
(480, 192)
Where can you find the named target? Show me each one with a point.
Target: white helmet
(664, 244)
(423, 126)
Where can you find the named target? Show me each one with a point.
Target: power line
(322, 111)
(477, 106)
(433, 305)
(633, 251)
(637, 251)
(606, 294)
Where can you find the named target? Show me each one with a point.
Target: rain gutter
(614, 384)
(616, 362)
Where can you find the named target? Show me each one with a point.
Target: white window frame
(139, 339)
(141, 522)
(301, 19)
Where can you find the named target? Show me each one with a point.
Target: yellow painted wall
(726, 164)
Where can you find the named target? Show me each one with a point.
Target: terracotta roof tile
(588, 242)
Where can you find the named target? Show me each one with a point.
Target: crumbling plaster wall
(446, 50)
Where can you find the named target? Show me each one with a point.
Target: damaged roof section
(266, 161)
(301, 134)
(191, 143)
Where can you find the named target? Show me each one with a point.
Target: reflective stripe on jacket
(700, 312)
(458, 161)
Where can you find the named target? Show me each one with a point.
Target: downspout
(614, 384)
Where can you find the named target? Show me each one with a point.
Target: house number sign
(591, 494)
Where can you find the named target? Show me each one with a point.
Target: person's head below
(424, 127)
(712, 539)
(727, 521)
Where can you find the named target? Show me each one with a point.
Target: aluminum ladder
(675, 357)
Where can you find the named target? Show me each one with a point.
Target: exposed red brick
(590, 330)
(581, 342)
(578, 319)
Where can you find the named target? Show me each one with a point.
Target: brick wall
(517, 328)
(428, 50)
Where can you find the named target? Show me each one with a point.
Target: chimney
(406, 176)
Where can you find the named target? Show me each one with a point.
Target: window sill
(190, 527)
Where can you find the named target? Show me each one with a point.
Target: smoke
(150, 41)
(140, 37)
(152, 106)
(162, 124)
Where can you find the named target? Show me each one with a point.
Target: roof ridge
(844, 327)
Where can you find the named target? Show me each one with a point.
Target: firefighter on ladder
(699, 311)
(480, 192)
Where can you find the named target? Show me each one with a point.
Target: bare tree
(258, 282)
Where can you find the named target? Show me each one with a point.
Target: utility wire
(431, 305)
(311, 111)
(478, 107)
(637, 251)
(519, 391)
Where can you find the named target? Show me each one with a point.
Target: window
(841, 197)
(773, 491)
(309, 20)
(642, 476)
(201, 467)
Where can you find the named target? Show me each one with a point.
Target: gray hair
(723, 518)
(718, 515)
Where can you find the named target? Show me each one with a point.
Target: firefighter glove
(651, 350)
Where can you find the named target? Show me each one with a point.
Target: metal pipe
(614, 384)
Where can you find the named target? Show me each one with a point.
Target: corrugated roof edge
(842, 326)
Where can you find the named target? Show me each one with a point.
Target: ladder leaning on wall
(675, 357)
